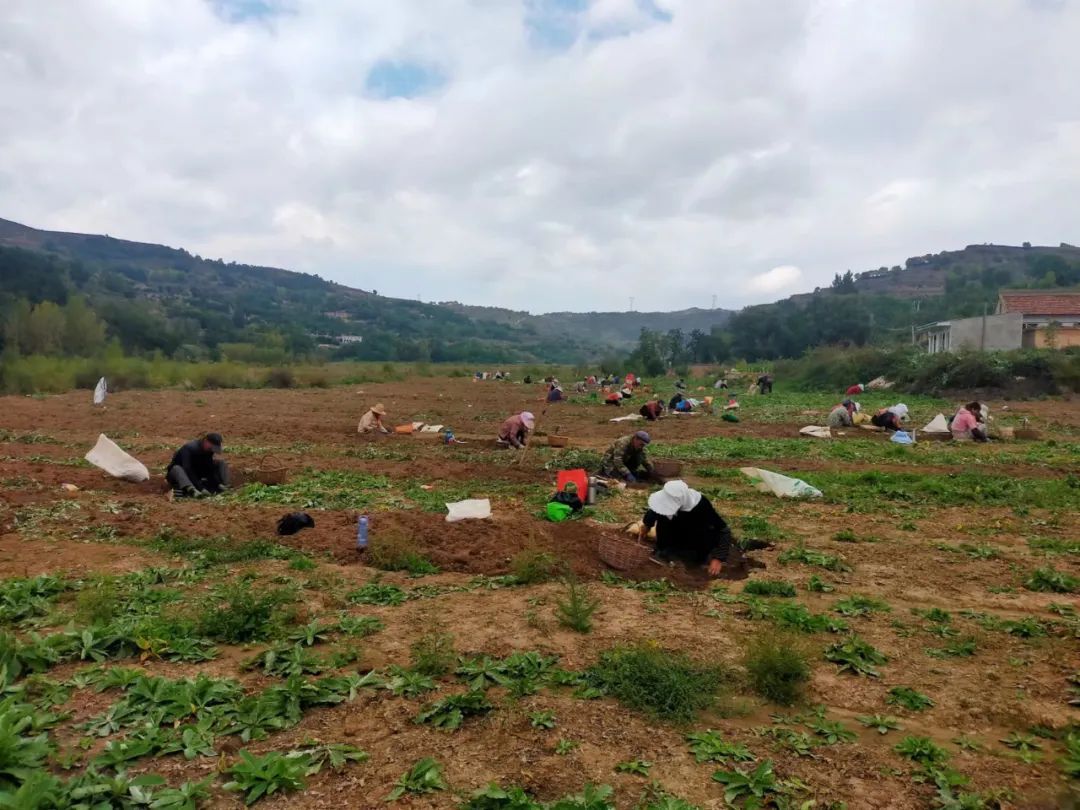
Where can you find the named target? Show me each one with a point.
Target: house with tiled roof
(1024, 319)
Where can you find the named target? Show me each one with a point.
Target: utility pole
(714, 301)
(631, 303)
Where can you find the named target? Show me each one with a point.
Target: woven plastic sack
(558, 512)
(108, 456)
(476, 509)
(780, 485)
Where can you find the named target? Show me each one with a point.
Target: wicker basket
(1027, 433)
(667, 469)
(623, 555)
(270, 471)
(558, 441)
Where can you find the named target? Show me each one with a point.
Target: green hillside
(156, 298)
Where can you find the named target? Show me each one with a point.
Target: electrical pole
(714, 301)
(631, 303)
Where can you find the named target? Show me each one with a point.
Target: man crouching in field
(194, 472)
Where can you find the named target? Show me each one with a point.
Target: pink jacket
(963, 423)
(513, 430)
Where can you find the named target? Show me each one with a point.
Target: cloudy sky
(547, 154)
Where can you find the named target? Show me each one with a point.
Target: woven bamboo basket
(667, 469)
(623, 555)
(558, 441)
(270, 471)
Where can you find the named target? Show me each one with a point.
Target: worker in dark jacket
(194, 472)
(688, 528)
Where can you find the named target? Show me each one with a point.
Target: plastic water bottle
(361, 532)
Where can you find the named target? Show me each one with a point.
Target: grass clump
(856, 656)
(662, 684)
(575, 608)
(802, 554)
(856, 605)
(533, 566)
(1049, 579)
(393, 551)
(769, 587)
(236, 614)
(777, 666)
(218, 550)
(433, 654)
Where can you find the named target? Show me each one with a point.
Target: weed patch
(769, 587)
(777, 666)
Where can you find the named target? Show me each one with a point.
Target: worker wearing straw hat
(371, 422)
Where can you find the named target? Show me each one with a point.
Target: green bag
(558, 512)
(730, 417)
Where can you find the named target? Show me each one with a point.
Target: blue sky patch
(402, 79)
(238, 11)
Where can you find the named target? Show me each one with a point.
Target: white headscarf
(676, 496)
(900, 409)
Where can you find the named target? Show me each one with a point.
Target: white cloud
(779, 279)
(664, 150)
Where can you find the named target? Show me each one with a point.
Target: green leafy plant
(831, 732)
(769, 587)
(1029, 627)
(544, 720)
(449, 713)
(817, 585)
(856, 656)
(881, 723)
(236, 613)
(639, 767)
(907, 698)
(408, 682)
(959, 648)
(575, 608)
(1050, 579)
(257, 776)
(755, 787)
(710, 746)
(778, 666)
(801, 554)
(922, 750)
(856, 605)
(360, 626)
(564, 746)
(1070, 762)
(796, 616)
(493, 797)
(592, 797)
(1026, 746)
(433, 654)
(376, 593)
(665, 685)
(394, 551)
(423, 777)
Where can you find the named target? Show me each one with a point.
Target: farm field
(934, 591)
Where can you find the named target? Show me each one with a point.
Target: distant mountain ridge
(619, 329)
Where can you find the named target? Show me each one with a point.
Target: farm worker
(626, 392)
(626, 458)
(371, 422)
(673, 403)
(652, 410)
(764, 383)
(890, 418)
(684, 406)
(580, 387)
(856, 389)
(720, 383)
(967, 425)
(842, 415)
(194, 472)
(515, 430)
(680, 385)
(591, 380)
(688, 528)
(732, 403)
(528, 379)
(614, 398)
(555, 394)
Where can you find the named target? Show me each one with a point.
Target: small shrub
(769, 587)
(532, 566)
(433, 654)
(845, 536)
(664, 685)
(376, 593)
(449, 713)
(392, 551)
(1052, 580)
(99, 603)
(817, 585)
(280, 378)
(423, 777)
(236, 614)
(778, 667)
(575, 608)
(258, 776)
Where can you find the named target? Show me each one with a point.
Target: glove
(630, 478)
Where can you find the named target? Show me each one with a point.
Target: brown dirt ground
(1010, 684)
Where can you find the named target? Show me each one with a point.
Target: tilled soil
(909, 561)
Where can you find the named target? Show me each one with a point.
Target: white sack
(476, 509)
(937, 425)
(630, 417)
(431, 429)
(100, 391)
(779, 485)
(107, 456)
(817, 431)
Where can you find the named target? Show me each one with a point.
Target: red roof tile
(1038, 302)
